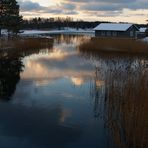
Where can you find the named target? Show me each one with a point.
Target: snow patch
(41, 33)
(142, 29)
(145, 39)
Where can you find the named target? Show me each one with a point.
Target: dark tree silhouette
(9, 16)
(10, 69)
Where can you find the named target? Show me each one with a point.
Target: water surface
(65, 97)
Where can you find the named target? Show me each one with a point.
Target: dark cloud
(87, 7)
(68, 6)
(104, 1)
(108, 5)
(29, 6)
(63, 8)
(100, 7)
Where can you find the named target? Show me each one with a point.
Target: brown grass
(115, 45)
(124, 102)
(21, 47)
(25, 43)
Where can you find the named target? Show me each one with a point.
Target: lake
(63, 96)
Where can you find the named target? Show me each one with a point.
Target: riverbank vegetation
(122, 100)
(114, 45)
(26, 43)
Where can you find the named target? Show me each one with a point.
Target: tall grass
(26, 43)
(21, 47)
(114, 45)
(123, 99)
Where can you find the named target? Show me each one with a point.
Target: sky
(133, 11)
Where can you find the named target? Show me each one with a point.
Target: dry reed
(115, 45)
(25, 43)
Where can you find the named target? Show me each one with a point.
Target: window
(108, 33)
(131, 33)
(114, 33)
(102, 33)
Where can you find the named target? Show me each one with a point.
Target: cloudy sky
(99, 10)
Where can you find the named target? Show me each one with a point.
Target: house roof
(113, 26)
(142, 29)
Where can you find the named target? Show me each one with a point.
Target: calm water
(64, 97)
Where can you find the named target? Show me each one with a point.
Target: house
(142, 32)
(116, 30)
(142, 29)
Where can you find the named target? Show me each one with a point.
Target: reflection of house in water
(69, 39)
(122, 102)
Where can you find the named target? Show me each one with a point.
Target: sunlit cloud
(44, 69)
(77, 81)
(99, 83)
(109, 10)
(59, 54)
(37, 71)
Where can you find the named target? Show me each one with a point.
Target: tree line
(57, 23)
(62, 23)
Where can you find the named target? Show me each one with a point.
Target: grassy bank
(114, 45)
(20, 47)
(25, 43)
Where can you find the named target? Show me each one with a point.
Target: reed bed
(25, 43)
(115, 45)
(122, 101)
(21, 47)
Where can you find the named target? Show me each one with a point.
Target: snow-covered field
(41, 33)
(44, 33)
(68, 31)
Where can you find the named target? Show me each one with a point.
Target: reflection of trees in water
(123, 100)
(10, 67)
(69, 39)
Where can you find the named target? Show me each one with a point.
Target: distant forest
(56, 23)
(60, 23)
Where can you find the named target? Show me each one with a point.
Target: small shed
(142, 32)
(122, 30)
(142, 29)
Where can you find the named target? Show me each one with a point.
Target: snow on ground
(66, 31)
(145, 39)
(4, 31)
(142, 29)
(41, 33)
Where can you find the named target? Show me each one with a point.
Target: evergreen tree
(3, 12)
(9, 16)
